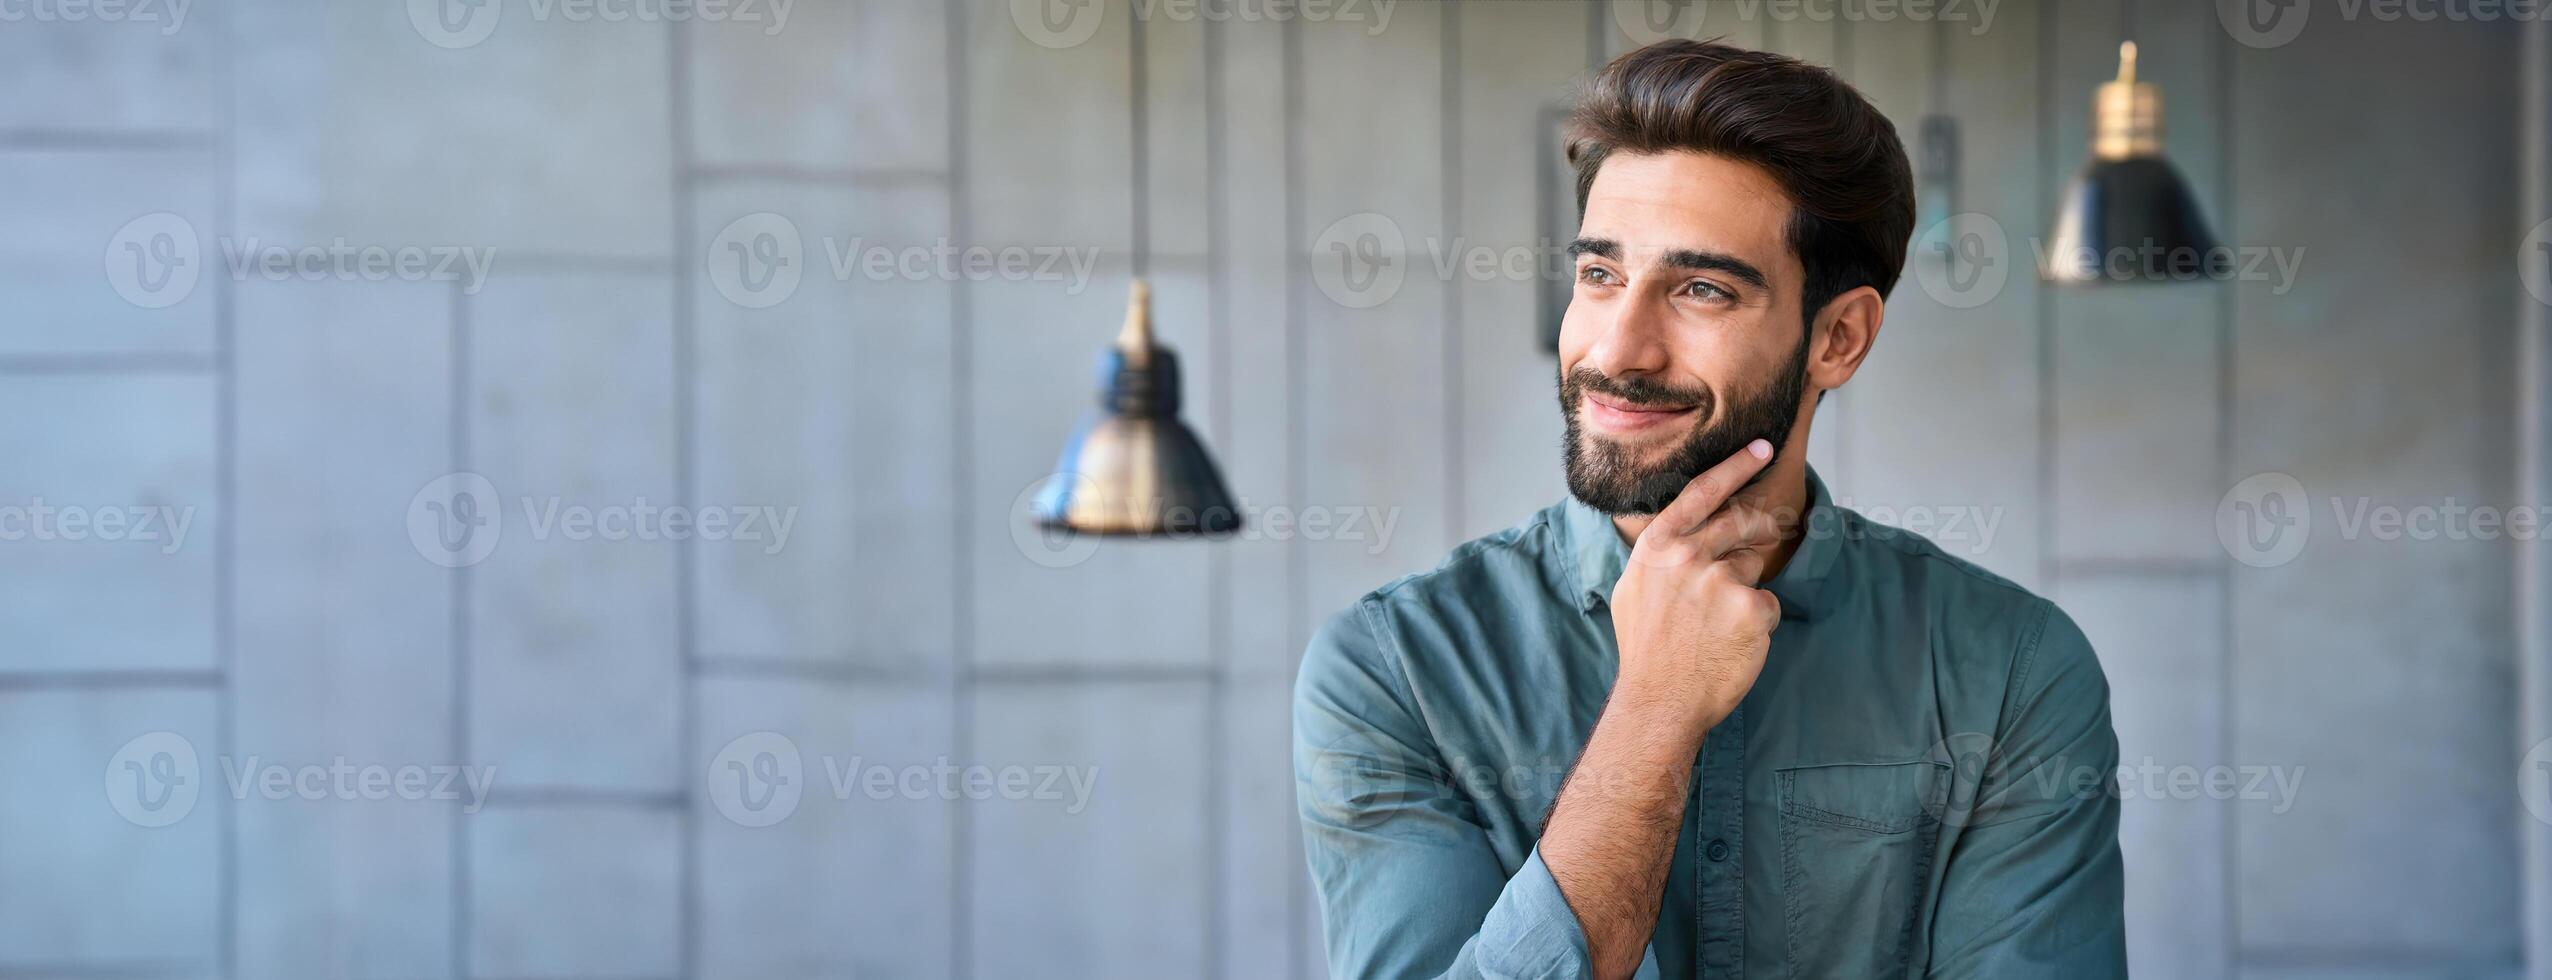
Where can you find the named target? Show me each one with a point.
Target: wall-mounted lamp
(2128, 215)
(1133, 468)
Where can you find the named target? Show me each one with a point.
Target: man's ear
(1845, 329)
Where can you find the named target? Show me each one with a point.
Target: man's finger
(1702, 497)
(1748, 563)
(1738, 524)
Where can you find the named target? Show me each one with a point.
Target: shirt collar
(1597, 554)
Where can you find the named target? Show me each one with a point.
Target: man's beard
(1607, 477)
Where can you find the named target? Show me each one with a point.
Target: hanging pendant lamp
(1132, 468)
(2128, 216)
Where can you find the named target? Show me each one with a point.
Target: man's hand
(1692, 629)
(1692, 626)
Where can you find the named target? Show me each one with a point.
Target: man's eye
(1701, 289)
(1595, 275)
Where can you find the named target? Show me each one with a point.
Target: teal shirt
(1921, 783)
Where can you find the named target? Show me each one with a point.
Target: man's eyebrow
(1604, 247)
(1689, 259)
(1685, 258)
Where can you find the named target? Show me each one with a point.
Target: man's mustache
(1635, 390)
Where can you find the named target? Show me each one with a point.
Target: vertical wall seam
(1843, 413)
(1218, 567)
(961, 485)
(458, 435)
(1138, 93)
(2228, 309)
(1298, 273)
(1449, 68)
(2534, 688)
(2045, 301)
(686, 476)
(226, 487)
(1595, 36)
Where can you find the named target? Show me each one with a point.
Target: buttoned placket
(1719, 835)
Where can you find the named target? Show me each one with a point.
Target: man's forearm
(1611, 835)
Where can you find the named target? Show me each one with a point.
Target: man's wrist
(1660, 708)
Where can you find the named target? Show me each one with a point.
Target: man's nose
(1633, 339)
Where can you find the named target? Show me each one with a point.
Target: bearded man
(1696, 719)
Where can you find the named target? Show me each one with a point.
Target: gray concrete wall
(622, 353)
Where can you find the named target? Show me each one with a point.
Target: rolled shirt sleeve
(1409, 883)
(2035, 885)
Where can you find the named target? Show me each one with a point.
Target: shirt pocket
(1856, 858)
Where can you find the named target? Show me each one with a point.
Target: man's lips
(1615, 415)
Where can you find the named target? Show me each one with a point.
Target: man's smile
(1613, 415)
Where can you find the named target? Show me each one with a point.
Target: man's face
(1685, 339)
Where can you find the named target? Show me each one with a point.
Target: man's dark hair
(1835, 155)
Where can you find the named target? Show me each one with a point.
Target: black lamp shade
(1132, 468)
(2129, 217)
(2131, 220)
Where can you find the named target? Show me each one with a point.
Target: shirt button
(1717, 851)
